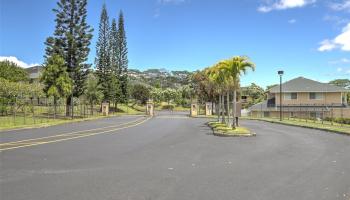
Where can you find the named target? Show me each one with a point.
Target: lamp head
(280, 73)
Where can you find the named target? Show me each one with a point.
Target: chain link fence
(19, 112)
(333, 114)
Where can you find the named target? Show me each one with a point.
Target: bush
(339, 120)
(168, 107)
(342, 120)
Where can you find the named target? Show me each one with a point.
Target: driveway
(175, 157)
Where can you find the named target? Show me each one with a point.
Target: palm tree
(234, 68)
(218, 77)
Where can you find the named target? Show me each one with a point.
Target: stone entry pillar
(150, 108)
(105, 109)
(238, 112)
(208, 108)
(194, 109)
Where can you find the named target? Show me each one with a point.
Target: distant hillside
(160, 78)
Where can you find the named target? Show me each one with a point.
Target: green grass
(222, 129)
(41, 119)
(28, 122)
(123, 109)
(310, 124)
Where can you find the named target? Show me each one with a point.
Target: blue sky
(307, 38)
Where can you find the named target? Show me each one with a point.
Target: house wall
(303, 98)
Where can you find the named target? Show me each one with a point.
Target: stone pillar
(150, 108)
(105, 109)
(238, 112)
(208, 108)
(194, 108)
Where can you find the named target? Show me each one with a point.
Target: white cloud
(18, 62)
(345, 5)
(292, 21)
(342, 41)
(327, 45)
(284, 4)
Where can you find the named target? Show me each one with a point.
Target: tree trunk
(235, 121)
(68, 106)
(92, 108)
(54, 107)
(228, 109)
(219, 109)
(222, 109)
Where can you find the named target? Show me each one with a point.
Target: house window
(290, 96)
(315, 95)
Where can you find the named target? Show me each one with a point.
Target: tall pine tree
(122, 57)
(114, 48)
(71, 40)
(117, 97)
(103, 56)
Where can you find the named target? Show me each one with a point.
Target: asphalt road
(175, 157)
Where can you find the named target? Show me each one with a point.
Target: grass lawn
(40, 120)
(29, 122)
(310, 124)
(222, 129)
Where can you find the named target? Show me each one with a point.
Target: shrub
(168, 107)
(342, 120)
(338, 120)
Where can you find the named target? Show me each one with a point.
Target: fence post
(322, 114)
(332, 115)
(33, 107)
(24, 112)
(14, 111)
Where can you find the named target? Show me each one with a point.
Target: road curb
(222, 134)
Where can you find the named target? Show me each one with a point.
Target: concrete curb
(222, 134)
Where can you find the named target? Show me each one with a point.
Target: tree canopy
(12, 72)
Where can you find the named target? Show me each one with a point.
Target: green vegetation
(93, 93)
(220, 83)
(339, 120)
(221, 129)
(39, 116)
(140, 92)
(71, 40)
(111, 59)
(12, 72)
(321, 125)
(344, 83)
(56, 79)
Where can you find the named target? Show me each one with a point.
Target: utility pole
(280, 73)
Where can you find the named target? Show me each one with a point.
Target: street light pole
(280, 73)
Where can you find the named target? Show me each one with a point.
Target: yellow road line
(74, 137)
(69, 133)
